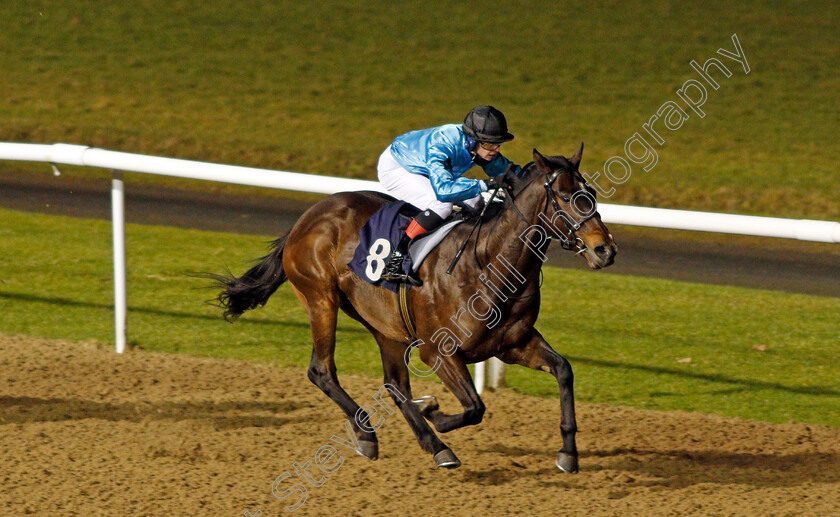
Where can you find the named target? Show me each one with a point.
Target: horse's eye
(565, 198)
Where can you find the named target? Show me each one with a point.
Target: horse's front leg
(454, 373)
(536, 353)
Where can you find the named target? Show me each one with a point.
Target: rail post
(118, 225)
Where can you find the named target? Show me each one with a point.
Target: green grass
(323, 87)
(624, 335)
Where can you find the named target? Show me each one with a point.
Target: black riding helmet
(487, 124)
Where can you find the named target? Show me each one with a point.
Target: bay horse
(313, 257)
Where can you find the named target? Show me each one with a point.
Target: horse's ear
(576, 158)
(542, 163)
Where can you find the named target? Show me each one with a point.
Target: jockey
(425, 168)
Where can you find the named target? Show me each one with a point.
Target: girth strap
(405, 312)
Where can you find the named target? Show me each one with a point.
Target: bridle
(569, 241)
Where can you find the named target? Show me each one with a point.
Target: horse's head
(570, 209)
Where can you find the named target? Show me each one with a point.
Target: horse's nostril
(600, 250)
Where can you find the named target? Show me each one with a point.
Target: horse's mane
(530, 173)
(527, 170)
(527, 174)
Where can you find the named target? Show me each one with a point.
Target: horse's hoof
(426, 404)
(446, 459)
(369, 450)
(567, 463)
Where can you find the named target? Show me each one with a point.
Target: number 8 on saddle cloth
(380, 235)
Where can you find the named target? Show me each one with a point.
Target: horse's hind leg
(323, 311)
(536, 353)
(396, 376)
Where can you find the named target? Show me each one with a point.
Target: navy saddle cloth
(381, 234)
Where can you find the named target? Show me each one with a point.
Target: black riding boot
(423, 222)
(393, 271)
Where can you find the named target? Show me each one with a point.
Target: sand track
(86, 432)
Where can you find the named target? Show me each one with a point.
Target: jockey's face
(486, 150)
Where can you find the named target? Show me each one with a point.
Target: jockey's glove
(495, 182)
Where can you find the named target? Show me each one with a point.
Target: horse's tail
(252, 289)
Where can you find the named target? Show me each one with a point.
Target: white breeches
(414, 188)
